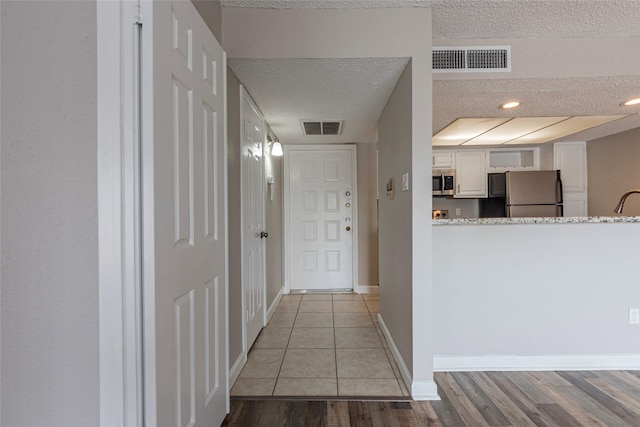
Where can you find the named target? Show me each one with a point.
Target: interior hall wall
(367, 165)
(613, 165)
(273, 219)
(394, 146)
(211, 13)
(49, 215)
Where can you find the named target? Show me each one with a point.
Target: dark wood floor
(585, 398)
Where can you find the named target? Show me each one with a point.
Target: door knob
(264, 234)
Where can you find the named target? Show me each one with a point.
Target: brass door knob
(348, 228)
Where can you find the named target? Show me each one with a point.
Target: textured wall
(49, 249)
(612, 165)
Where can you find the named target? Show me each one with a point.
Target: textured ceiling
(288, 90)
(544, 97)
(486, 19)
(356, 90)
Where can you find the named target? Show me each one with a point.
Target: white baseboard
(420, 390)
(237, 366)
(364, 289)
(274, 305)
(576, 362)
(424, 390)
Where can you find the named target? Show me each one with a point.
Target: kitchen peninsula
(536, 293)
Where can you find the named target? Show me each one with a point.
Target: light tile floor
(322, 345)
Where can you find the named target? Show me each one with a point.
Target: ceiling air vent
(471, 59)
(317, 127)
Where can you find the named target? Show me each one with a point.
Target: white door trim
(354, 179)
(245, 96)
(119, 233)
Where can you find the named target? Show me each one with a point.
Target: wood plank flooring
(473, 399)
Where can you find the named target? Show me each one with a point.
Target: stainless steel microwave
(444, 182)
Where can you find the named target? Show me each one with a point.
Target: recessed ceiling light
(511, 104)
(634, 101)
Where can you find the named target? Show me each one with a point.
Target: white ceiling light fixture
(512, 131)
(634, 101)
(510, 104)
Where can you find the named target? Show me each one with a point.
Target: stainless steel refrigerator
(533, 194)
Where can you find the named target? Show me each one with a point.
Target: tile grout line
(287, 346)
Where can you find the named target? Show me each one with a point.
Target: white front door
(253, 268)
(184, 210)
(320, 204)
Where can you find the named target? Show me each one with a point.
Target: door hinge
(136, 13)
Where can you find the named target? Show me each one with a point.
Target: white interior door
(321, 217)
(253, 268)
(184, 204)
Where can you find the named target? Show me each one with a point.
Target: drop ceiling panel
(464, 129)
(513, 129)
(564, 128)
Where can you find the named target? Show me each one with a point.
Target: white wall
(396, 262)
(612, 165)
(536, 290)
(211, 13)
(273, 220)
(49, 249)
(367, 216)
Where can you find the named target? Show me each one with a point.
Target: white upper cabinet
(471, 173)
(509, 159)
(442, 159)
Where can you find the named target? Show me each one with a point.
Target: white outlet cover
(634, 316)
(405, 182)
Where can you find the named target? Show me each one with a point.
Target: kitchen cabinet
(571, 159)
(511, 159)
(442, 159)
(471, 173)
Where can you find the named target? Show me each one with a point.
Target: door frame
(246, 96)
(119, 214)
(120, 78)
(288, 148)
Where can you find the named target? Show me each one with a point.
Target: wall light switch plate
(634, 316)
(405, 182)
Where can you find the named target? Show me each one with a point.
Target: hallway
(322, 345)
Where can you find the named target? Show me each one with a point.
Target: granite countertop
(546, 220)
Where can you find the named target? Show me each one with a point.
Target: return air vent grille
(317, 127)
(471, 59)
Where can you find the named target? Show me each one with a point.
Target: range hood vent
(319, 127)
(472, 59)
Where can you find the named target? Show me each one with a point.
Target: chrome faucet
(618, 209)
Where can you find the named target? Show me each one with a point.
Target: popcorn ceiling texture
(569, 57)
(463, 19)
(288, 90)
